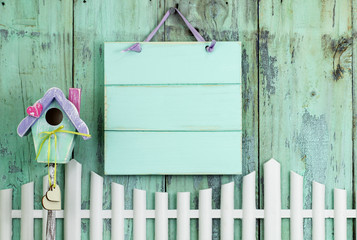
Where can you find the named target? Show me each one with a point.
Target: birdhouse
(54, 122)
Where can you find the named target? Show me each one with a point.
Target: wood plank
(35, 55)
(117, 208)
(296, 206)
(183, 218)
(249, 220)
(174, 63)
(318, 208)
(129, 153)
(5, 214)
(139, 219)
(205, 214)
(45, 186)
(199, 107)
(354, 99)
(306, 96)
(340, 214)
(96, 207)
(230, 20)
(72, 203)
(27, 219)
(94, 23)
(161, 216)
(272, 200)
(227, 208)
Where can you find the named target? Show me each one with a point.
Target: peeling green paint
(298, 104)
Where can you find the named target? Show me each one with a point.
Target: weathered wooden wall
(299, 99)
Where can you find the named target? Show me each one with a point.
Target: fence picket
(340, 220)
(139, 227)
(5, 214)
(272, 213)
(318, 211)
(272, 201)
(117, 211)
(72, 202)
(96, 207)
(183, 216)
(27, 220)
(161, 220)
(205, 214)
(227, 207)
(296, 207)
(249, 220)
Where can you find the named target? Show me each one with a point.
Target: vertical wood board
(96, 22)
(35, 55)
(305, 98)
(231, 20)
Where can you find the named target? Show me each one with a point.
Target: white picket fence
(272, 214)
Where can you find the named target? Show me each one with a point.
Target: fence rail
(272, 214)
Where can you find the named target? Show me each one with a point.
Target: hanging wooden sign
(173, 108)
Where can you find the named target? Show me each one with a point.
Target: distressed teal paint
(303, 46)
(94, 23)
(189, 116)
(305, 101)
(65, 141)
(35, 55)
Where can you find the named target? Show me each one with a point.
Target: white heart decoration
(49, 205)
(54, 194)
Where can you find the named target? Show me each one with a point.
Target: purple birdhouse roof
(67, 106)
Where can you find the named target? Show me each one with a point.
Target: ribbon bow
(48, 136)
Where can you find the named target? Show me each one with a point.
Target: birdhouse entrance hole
(54, 116)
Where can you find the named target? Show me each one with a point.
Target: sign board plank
(172, 152)
(173, 109)
(182, 107)
(172, 63)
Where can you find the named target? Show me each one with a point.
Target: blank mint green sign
(173, 109)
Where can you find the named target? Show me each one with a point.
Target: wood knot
(341, 47)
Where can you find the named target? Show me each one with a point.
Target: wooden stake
(51, 215)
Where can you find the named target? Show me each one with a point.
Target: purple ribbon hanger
(137, 48)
